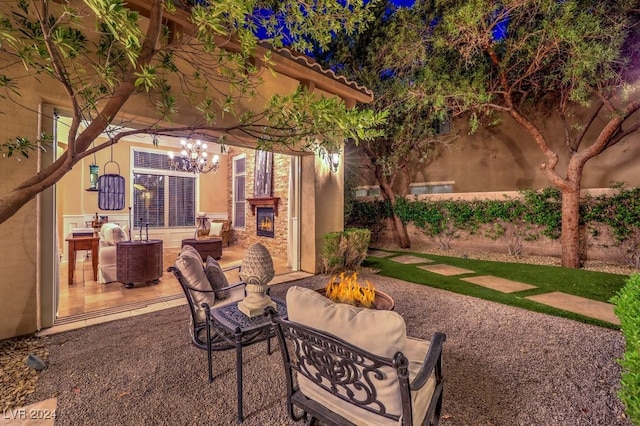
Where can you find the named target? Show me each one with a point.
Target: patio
(502, 366)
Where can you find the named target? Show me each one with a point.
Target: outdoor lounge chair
(356, 365)
(196, 278)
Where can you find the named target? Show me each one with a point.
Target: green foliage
(621, 211)
(97, 52)
(437, 217)
(402, 143)
(628, 310)
(554, 52)
(533, 60)
(24, 146)
(545, 209)
(515, 220)
(344, 251)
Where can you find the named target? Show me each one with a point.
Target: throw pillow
(216, 278)
(380, 332)
(215, 229)
(190, 249)
(190, 267)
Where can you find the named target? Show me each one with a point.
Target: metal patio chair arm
(432, 361)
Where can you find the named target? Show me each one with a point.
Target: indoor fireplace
(265, 222)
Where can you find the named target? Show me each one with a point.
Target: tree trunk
(398, 229)
(400, 235)
(570, 237)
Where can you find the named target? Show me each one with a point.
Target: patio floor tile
(498, 284)
(446, 270)
(408, 259)
(580, 305)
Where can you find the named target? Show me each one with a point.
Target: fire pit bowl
(381, 302)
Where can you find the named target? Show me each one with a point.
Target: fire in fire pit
(348, 290)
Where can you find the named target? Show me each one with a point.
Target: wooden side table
(82, 243)
(206, 247)
(138, 262)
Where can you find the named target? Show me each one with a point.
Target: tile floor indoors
(87, 298)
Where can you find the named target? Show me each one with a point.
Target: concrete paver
(499, 284)
(408, 259)
(580, 305)
(379, 253)
(446, 270)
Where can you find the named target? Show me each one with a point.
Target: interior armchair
(110, 234)
(220, 228)
(356, 365)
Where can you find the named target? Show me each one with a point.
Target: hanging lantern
(111, 190)
(93, 177)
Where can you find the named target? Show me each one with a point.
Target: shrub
(628, 310)
(345, 251)
(535, 214)
(370, 215)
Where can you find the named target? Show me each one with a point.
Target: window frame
(234, 189)
(431, 185)
(166, 173)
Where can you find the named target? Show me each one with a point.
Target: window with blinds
(161, 198)
(239, 203)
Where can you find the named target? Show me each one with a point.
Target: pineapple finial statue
(257, 270)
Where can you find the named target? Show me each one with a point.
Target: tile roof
(310, 63)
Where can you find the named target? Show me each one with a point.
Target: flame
(348, 290)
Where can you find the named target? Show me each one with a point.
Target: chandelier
(193, 158)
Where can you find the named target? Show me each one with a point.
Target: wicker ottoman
(138, 262)
(206, 247)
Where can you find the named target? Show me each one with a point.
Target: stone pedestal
(256, 300)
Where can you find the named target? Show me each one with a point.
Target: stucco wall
(504, 158)
(22, 247)
(18, 235)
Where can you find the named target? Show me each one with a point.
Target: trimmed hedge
(344, 251)
(628, 310)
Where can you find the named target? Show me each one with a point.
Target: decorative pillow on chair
(190, 267)
(380, 332)
(215, 229)
(216, 278)
(190, 249)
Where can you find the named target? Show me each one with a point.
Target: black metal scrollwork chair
(346, 365)
(196, 282)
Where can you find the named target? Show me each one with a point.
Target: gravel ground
(17, 380)
(503, 366)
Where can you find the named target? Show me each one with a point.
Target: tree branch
(584, 130)
(57, 64)
(621, 135)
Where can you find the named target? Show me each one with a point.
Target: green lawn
(599, 286)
